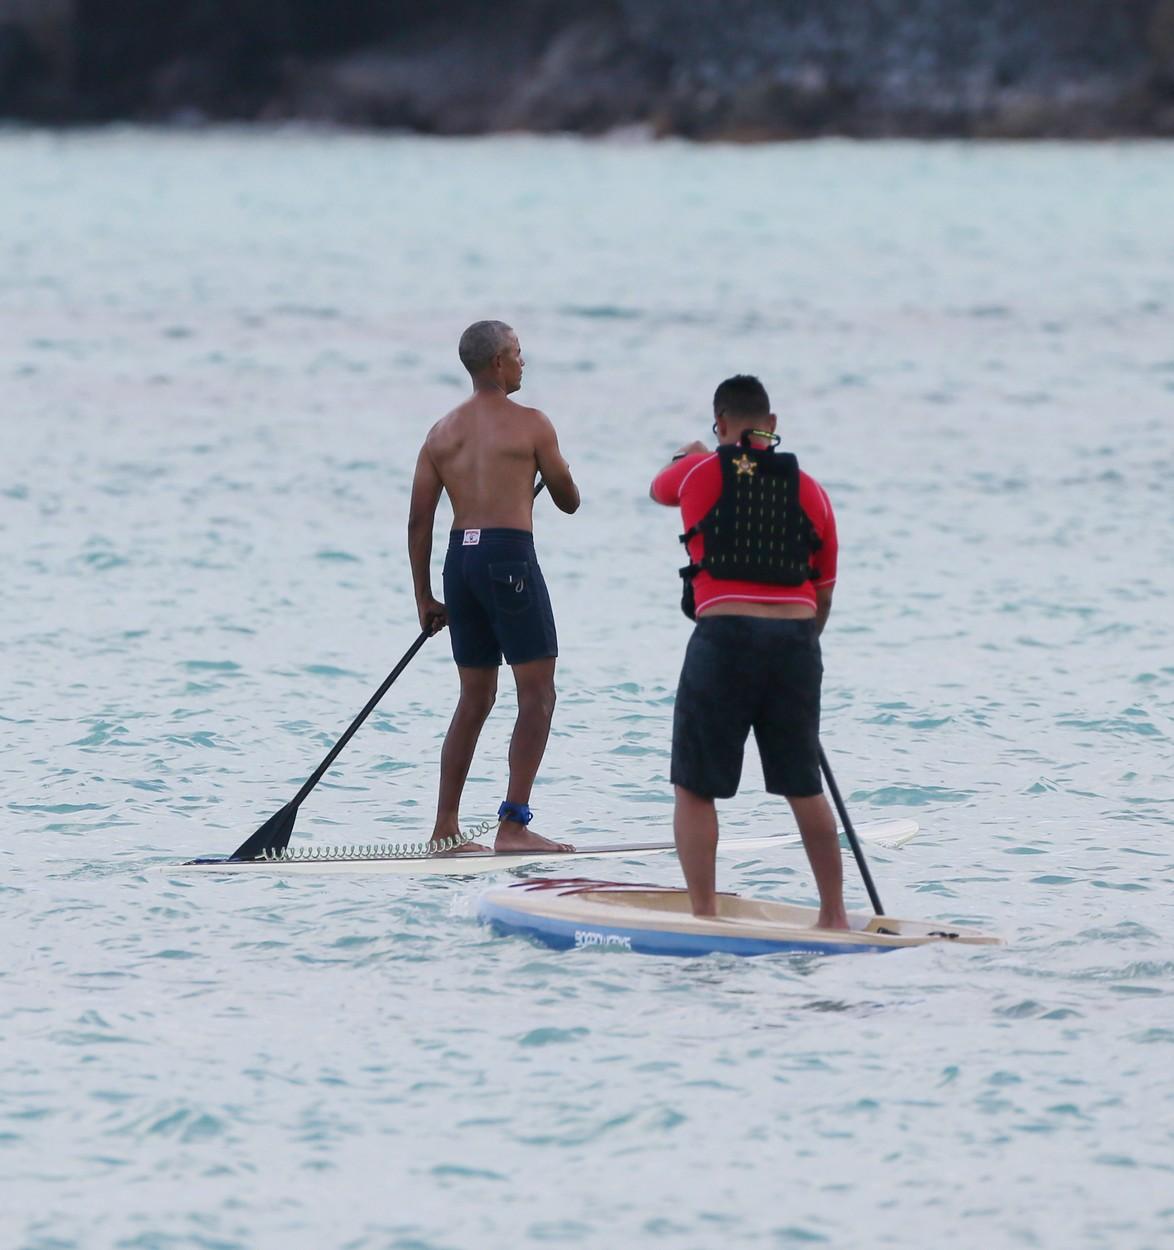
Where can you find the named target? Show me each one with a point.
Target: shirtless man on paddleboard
(485, 454)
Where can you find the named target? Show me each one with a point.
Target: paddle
(273, 836)
(853, 841)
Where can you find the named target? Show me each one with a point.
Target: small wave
(601, 312)
(911, 796)
(329, 670)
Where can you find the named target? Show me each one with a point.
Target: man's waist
(731, 628)
(496, 535)
(735, 605)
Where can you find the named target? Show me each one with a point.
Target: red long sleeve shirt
(695, 483)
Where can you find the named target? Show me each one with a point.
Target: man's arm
(426, 488)
(667, 483)
(828, 555)
(556, 473)
(823, 606)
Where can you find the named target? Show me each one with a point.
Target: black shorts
(496, 599)
(742, 673)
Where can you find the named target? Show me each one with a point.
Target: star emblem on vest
(745, 465)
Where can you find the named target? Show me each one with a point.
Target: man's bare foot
(837, 919)
(512, 836)
(436, 843)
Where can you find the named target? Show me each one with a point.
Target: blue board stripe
(569, 935)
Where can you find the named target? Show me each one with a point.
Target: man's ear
(771, 423)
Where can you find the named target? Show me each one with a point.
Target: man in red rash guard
(753, 661)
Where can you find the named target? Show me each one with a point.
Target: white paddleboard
(313, 860)
(575, 913)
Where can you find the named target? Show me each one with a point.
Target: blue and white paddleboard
(574, 913)
(414, 859)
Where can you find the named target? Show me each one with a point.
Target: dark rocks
(21, 67)
(592, 76)
(36, 58)
(743, 69)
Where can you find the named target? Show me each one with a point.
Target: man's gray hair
(481, 342)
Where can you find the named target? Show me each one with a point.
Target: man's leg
(478, 690)
(817, 826)
(695, 832)
(711, 721)
(535, 683)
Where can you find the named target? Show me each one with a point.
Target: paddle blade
(273, 835)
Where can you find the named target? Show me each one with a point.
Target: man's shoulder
(454, 416)
(455, 423)
(532, 416)
(441, 431)
(694, 460)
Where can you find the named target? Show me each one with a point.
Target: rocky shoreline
(701, 69)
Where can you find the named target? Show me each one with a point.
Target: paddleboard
(576, 913)
(388, 858)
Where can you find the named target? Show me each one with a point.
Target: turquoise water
(219, 354)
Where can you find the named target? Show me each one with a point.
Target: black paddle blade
(273, 835)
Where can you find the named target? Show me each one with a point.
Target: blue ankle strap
(519, 812)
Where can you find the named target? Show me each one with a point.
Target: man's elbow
(566, 497)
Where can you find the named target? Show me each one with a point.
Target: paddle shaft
(853, 840)
(320, 771)
(335, 750)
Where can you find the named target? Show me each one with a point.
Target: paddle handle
(853, 841)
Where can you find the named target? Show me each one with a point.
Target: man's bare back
(486, 453)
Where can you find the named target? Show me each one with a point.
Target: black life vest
(756, 532)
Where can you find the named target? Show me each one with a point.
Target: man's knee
(537, 700)
(478, 702)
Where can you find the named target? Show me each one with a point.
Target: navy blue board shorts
(496, 599)
(744, 673)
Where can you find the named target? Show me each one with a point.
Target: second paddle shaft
(853, 841)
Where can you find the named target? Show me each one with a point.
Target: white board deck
(571, 913)
(311, 860)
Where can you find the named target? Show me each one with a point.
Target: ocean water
(218, 355)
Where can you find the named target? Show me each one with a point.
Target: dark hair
(481, 342)
(742, 397)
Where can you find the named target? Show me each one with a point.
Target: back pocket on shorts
(511, 586)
